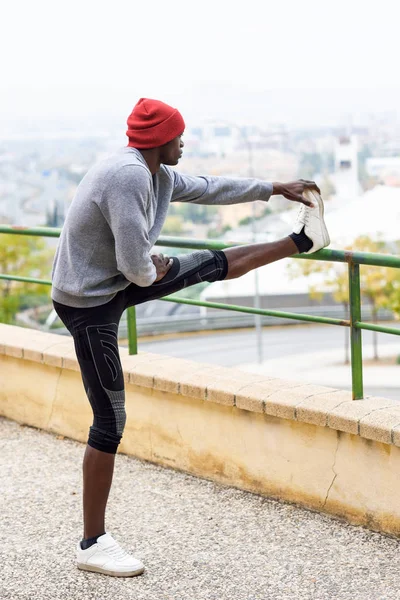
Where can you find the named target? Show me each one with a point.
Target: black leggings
(95, 333)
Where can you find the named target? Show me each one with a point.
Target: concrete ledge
(307, 444)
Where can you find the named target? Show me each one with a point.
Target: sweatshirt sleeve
(124, 206)
(219, 190)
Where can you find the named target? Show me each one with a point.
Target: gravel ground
(198, 540)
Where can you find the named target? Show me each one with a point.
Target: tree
(196, 213)
(24, 256)
(312, 163)
(247, 220)
(391, 296)
(326, 186)
(380, 286)
(373, 281)
(215, 233)
(335, 281)
(173, 225)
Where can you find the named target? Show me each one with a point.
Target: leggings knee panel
(102, 440)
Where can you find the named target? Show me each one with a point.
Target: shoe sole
(94, 569)
(325, 234)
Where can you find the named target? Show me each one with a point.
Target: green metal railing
(353, 260)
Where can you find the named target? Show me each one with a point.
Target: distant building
(345, 177)
(385, 168)
(222, 139)
(214, 139)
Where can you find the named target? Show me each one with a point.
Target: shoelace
(116, 551)
(303, 214)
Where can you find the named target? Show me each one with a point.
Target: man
(103, 265)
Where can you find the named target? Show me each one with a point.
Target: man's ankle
(302, 241)
(89, 541)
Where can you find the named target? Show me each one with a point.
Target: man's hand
(162, 264)
(294, 190)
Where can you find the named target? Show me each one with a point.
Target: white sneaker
(106, 556)
(312, 219)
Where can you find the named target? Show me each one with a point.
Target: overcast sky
(282, 60)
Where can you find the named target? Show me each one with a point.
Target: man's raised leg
(242, 259)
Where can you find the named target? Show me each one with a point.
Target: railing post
(132, 331)
(355, 334)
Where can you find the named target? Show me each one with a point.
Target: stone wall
(306, 444)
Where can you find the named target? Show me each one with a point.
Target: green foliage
(193, 292)
(362, 156)
(327, 188)
(315, 162)
(215, 233)
(247, 220)
(24, 256)
(380, 286)
(194, 213)
(389, 296)
(173, 225)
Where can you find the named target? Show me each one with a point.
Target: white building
(384, 167)
(345, 178)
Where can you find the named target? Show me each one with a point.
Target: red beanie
(153, 123)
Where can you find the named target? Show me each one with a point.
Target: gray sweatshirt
(116, 217)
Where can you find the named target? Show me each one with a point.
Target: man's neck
(152, 159)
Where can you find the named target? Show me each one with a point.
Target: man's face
(172, 152)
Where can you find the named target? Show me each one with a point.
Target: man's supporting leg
(95, 334)
(102, 375)
(242, 259)
(98, 468)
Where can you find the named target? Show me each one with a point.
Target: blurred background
(274, 90)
